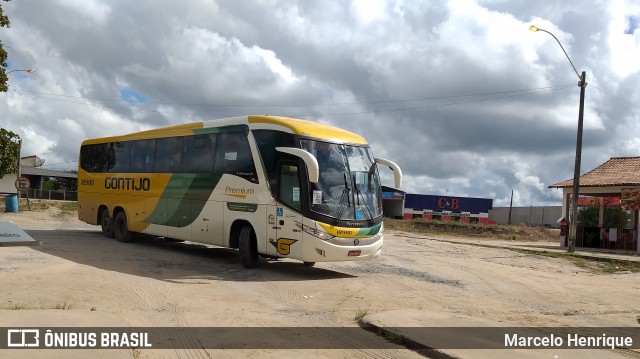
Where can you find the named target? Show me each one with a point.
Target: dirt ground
(77, 277)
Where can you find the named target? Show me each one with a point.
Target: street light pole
(573, 214)
(573, 225)
(31, 70)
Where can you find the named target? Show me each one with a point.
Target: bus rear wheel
(248, 247)
(120, 228)
(106, 224)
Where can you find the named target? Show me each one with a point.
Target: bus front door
(288, 220)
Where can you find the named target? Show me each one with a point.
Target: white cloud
(529, 181)
(35, 143)
(91, 10)
(401, 73)
(625, 48)
(275, 64)
(367, 11)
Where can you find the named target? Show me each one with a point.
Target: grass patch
(34, 205)
(475, 230)
(595, 265)
(17, 306)
(69, 206)
(39, 205)
(360, 313)
(63, 306)
(613, 266)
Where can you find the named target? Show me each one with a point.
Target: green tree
(613, 217)
(9, 152)
(9, 141)
(48, 185)
(70, 184)
(4, 22)
(616, 217)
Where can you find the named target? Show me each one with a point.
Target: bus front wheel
(106, 224)
(120, 228)
(248, 247)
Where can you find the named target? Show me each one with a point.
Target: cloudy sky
(460, 94)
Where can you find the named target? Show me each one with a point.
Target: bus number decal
(283, 245)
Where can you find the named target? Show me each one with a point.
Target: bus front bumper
(316, 250)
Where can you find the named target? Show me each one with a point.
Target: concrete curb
(544, 248)
(399, 327)
(405, 341)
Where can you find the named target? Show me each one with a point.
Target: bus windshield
(348, 187)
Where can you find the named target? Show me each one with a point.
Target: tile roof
(617, 171)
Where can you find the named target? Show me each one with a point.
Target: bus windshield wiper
(345, 193)
(364, 201)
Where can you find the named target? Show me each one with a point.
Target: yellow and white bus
(270, 186)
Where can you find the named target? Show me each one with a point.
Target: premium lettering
(127, 183)
(242, 190)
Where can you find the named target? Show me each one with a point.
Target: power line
(514, 93)
(116, 107)
(433, 106)
(295, 105)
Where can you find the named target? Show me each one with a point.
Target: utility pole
(573, 213)
(510, 208)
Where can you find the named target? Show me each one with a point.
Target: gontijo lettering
(127, 183)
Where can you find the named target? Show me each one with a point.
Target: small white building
(613, 184)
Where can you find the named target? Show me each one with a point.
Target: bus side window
(267, 141)
(119, 156)
(198, 153)
(233, 156)
(289, 188)
(142, 152)
(168, 157)
(97, 158)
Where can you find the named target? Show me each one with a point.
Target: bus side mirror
(397, 172)
(313, 169)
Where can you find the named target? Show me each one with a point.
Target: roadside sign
(23, 184)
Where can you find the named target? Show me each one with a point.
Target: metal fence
(60, 194)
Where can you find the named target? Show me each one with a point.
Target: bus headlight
(316, 233)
